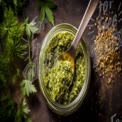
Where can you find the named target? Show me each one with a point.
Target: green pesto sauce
(58, 77)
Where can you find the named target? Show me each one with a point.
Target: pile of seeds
(107, 53)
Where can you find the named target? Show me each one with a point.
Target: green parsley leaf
(27, 87)
(25, 108)
(31, 28)
(23, 111)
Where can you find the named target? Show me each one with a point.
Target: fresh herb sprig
(46, 7)
(26, 85)
(22, 113)
(12, 48)
(11, 33)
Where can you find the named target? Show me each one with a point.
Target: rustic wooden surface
(102, 101)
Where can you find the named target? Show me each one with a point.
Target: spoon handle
(87, 16)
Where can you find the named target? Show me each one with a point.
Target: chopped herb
(58, 78)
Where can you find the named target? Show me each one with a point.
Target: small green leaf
(27, 87)
(49, 15)
(31, 28)
(42, 15)
(29, 120)
(15, 2)
(22, 112)
(25, 108)
(28, 32)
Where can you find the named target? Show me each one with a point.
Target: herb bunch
(12, 48)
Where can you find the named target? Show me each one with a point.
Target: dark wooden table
(102, 101)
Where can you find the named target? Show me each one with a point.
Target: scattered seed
(107, 53)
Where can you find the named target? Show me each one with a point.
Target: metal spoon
(70, 53)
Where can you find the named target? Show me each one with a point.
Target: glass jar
(75, 104)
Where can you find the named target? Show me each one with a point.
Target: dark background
(102, 101)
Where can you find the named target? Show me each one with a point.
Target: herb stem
(29, 52)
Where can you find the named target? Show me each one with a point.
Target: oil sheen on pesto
(58, 74)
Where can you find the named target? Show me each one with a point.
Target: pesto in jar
(57, 75)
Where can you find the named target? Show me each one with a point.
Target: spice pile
(107, 53)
